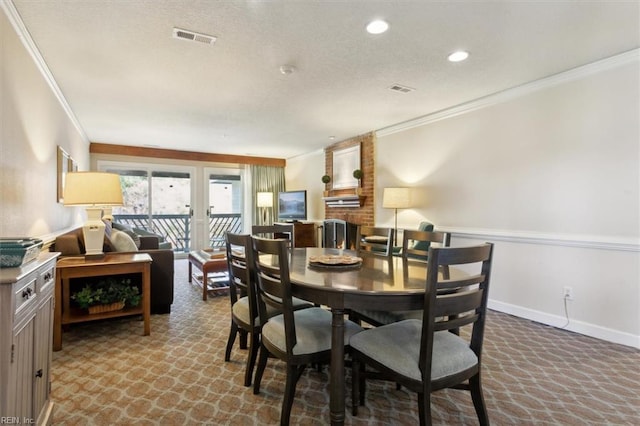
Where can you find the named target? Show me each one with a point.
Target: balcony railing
(176, 228)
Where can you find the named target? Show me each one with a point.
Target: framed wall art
(66, 164)
(345, 161)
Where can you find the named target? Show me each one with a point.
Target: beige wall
(304, 172)
(32, 124)
(552, 176)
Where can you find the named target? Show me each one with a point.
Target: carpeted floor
(107, 373)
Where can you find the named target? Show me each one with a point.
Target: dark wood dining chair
(245, 319)
(415, 247)
(416, 244)
(423, 355)
(374, 240)
(298, 337)
(244, 308)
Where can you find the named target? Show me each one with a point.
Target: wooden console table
(110, 264)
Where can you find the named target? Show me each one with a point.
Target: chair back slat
(415, 244)
(458, 303)
(279, 231)
(455, 323)
(239, 264)
(461, 282)
(374, 240)
(271, 260)
(452, 303)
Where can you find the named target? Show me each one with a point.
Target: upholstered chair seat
(312, 329)
(241, 310)
(396, 347)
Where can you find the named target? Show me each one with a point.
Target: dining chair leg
(243, 339)
(362, 383)
(262, 364)
(355, 386)
(424, 408)
(293, 374)
(475, 387)
(233, 332)
(254, 344)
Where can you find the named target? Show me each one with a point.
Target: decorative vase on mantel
(326, 179)
(357, 173)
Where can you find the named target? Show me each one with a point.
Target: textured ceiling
(129, 82)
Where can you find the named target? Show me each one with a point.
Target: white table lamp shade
(92, 189)
(396, 198)
(265, 199)
(95, 190)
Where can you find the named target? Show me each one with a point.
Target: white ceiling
(129, 82)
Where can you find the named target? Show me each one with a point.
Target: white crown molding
(564, 240)
(16, 21)
(515, 92)
(307, 154)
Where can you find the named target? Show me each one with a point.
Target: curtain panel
(266, 179)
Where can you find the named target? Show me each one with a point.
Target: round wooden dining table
(378, 282)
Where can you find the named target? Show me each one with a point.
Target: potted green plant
(357, 173)
(326, 179)
(107, 294)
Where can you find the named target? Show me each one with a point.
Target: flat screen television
(292, 205)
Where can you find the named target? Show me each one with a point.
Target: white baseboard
(587, 329)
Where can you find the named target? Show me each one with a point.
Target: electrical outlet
(568, 293)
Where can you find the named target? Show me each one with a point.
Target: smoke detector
(193, 36)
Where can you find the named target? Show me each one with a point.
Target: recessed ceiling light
(331, 138)
(287, 69)
(458, 56)
(377, 27)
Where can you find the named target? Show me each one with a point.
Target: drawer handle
(47, 276)
(39, 373)
(26, 293)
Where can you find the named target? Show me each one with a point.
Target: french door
(224, 204)
(191, 207)
(156, 199)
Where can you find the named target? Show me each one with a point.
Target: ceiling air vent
(193, 36)
(400, 88)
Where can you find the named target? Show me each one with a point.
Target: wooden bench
(209, 262)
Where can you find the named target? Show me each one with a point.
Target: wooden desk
(110, 264)
(382, 283)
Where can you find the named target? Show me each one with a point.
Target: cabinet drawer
(47, 279)
(25, 294)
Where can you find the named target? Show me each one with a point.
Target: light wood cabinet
(26, 338)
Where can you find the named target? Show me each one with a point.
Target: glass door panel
(158, 202)
(171, 207)
(135, 194)
(225, 207)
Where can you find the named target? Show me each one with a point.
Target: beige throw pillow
(122, 242)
